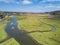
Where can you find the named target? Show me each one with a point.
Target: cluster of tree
(1, 16)
(54, 13)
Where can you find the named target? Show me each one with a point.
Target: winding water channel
(19, 35)
(53, 28)
(22, 36)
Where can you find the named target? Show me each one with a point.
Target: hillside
(53, 12)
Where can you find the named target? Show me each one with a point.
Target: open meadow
(44, 30)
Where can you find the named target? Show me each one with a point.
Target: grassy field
(3, 34)
(31, 23)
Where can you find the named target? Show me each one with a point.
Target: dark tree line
(1, 16)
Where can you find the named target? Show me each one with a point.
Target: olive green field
(31, 23)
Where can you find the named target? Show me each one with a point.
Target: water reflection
(20, 36)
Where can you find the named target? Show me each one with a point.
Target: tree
(1, 16)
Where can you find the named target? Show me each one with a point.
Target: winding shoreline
(53, 29)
